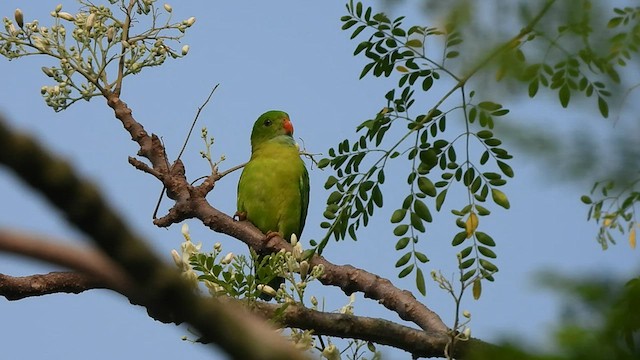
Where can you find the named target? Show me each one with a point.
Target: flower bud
(12, 30)
(331, 352)
(227, 259)
(168, 8)
(19, 18)
(111, 32)
(65, 16)
(217, 246)
(314, 301)
(58, 8)
(176, 258)
(304, 269)
(466, 314)
(266, 289)
(91, 19)
(47, 71)
(190, 21)
(185, 231)
(294, 239)
(467, 333)
(185, 50)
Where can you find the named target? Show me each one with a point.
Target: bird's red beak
(288, 127)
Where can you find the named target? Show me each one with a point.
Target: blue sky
(291, 56)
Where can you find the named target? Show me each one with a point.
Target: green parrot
(273, 192)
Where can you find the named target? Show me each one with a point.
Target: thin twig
(184, 146)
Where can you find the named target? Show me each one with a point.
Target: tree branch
(18, 288)
(102, 273)
(89, 261)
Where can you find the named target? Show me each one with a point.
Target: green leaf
(506, 169)
(484, 239)
(482, 211)
(416, 222)
(421, 257)
(323, 163)
(366, 69)
(334, 198)
(585, 199)
(487, 252)
(440, 199)
(332, 180)
(376, 196)
(467, 263)
(459, 238)
(426, 186)
(603, 107)
(500, 198)
(404, 259)
(357, 31)
(489, 106)
(468, 275)
(488, 265)
(533, 88)
(452, 54)
(402, 243)
(349, 24)
(429, 157)
(406, 271)
(415, 43)
(484, 134)
(614, 22)
(420, 282)
(398, 215)
(422, 210)
(363, 45)
(400, 230)
(564, 95)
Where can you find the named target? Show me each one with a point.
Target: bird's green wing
(304, 197)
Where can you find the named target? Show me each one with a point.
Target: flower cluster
(94, 48)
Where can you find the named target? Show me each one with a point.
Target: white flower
(227, 259)
(177, 258)
(266, 289)
(331, 352)
(190, 21)
(185, 231)
(65, 16)
(348, 309)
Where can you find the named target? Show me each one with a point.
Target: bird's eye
(267, 123)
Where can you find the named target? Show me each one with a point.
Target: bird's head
(271, 125)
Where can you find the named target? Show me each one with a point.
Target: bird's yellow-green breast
(273, 192)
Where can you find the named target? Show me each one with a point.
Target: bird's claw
(240, 216)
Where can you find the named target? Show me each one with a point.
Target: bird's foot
(240, 216)
(271, 234)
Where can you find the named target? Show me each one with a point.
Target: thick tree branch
(88, 261)
(20, 287)
(102, 273)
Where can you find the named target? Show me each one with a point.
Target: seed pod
(19, 18)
